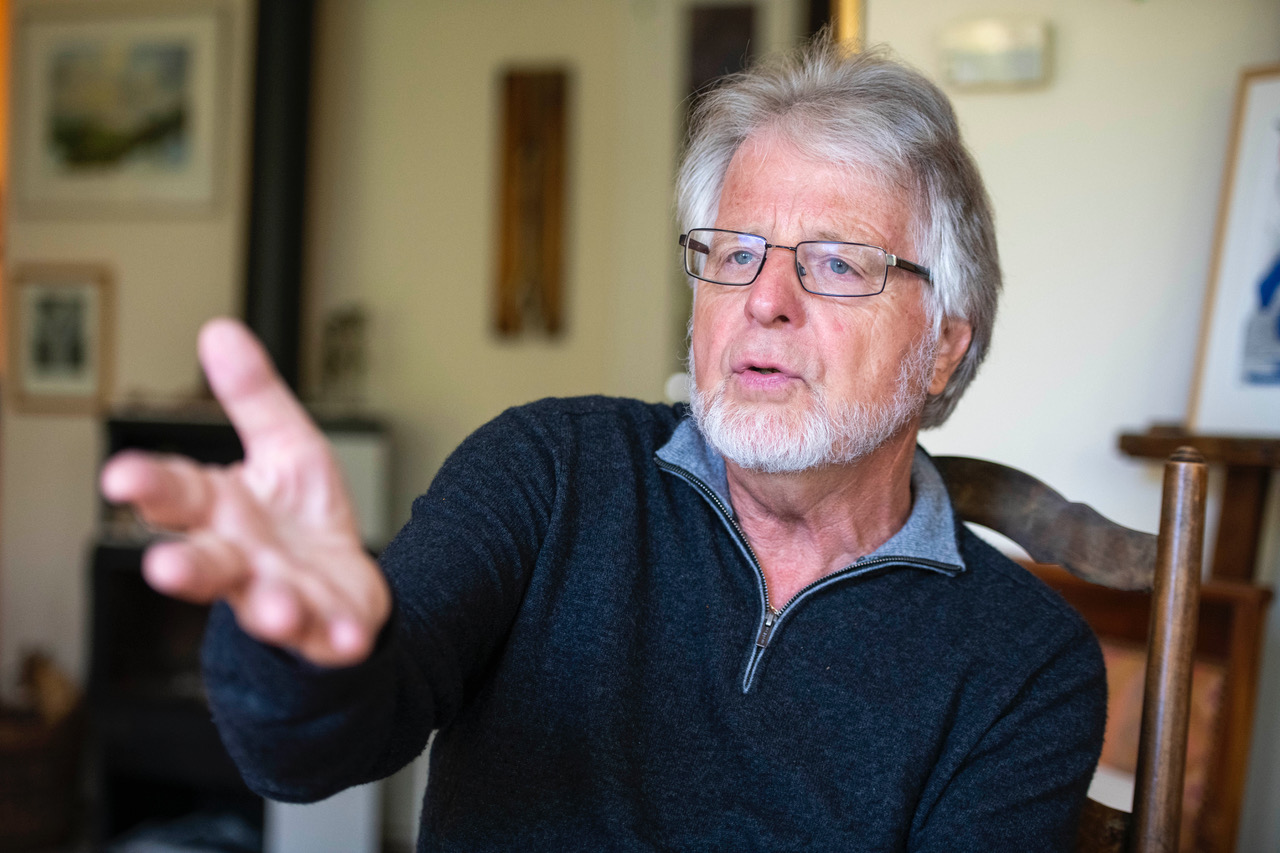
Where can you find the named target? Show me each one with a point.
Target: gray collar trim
(930, 531)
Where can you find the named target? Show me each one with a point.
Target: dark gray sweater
(583, 623)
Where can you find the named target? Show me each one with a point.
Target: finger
(350, 641)
(279, 614)
(291, 613)
(266, 415)
(201, 569)
(278, 611)
(333, 629)
(169, 491)
(339, 642)
(365, 608)
(352, 586)
(274, 612)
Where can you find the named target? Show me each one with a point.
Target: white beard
(777, 439)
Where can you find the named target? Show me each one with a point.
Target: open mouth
(764, 369)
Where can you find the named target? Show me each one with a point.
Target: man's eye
(741, 258)
(844, 268)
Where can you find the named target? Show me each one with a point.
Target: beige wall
(5, 51)
(1105, 185)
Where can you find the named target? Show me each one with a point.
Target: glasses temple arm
(690, 243)
(902, 263)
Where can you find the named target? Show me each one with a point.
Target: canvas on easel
(1236, 389)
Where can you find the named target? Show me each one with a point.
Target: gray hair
(869, 112)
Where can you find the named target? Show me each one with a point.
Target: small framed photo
(60, 338)
(1236, 390)
(119, 105)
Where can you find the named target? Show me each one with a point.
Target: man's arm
(458, 571)
(1024, 782)
(316, 680)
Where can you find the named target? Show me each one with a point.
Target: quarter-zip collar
(928, 535)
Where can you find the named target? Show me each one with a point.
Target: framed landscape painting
(119, 106)
(1236, 390)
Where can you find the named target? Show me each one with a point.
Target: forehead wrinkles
(760, 154)
(771, 183)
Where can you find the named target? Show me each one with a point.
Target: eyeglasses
(825, 268)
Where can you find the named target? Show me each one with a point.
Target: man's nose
(776, 295)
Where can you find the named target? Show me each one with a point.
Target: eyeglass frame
(890, 260)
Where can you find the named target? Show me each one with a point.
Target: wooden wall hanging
(530, 288)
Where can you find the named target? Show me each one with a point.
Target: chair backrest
(1053, 530)
(1224, 693)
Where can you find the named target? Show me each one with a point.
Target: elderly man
(758, 627)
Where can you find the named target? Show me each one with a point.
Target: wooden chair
(1052, 530)
(1224, 691)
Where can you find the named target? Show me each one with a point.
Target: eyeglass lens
(832, 269)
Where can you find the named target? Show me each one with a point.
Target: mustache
(789, 439)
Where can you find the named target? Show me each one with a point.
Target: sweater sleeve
(1023, 784)
(457, 571)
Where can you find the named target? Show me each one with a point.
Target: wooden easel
(1249, 463)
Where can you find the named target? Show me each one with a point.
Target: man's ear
(953, 343)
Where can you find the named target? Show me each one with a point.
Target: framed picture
(1236, 390)
(60, 337)
(119, 106)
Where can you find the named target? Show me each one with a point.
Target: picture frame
(61, 338)
(1236, 388)
(120, 107)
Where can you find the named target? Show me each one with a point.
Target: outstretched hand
(275, 536)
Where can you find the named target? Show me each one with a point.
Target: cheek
(712, 314)
(702, 344)
(846, 341)
(862, 355)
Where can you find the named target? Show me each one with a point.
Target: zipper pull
(766, 630)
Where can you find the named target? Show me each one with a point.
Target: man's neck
(807, 524)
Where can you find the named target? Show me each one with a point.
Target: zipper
(766, 630)
(741, 537)
(772, 617)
